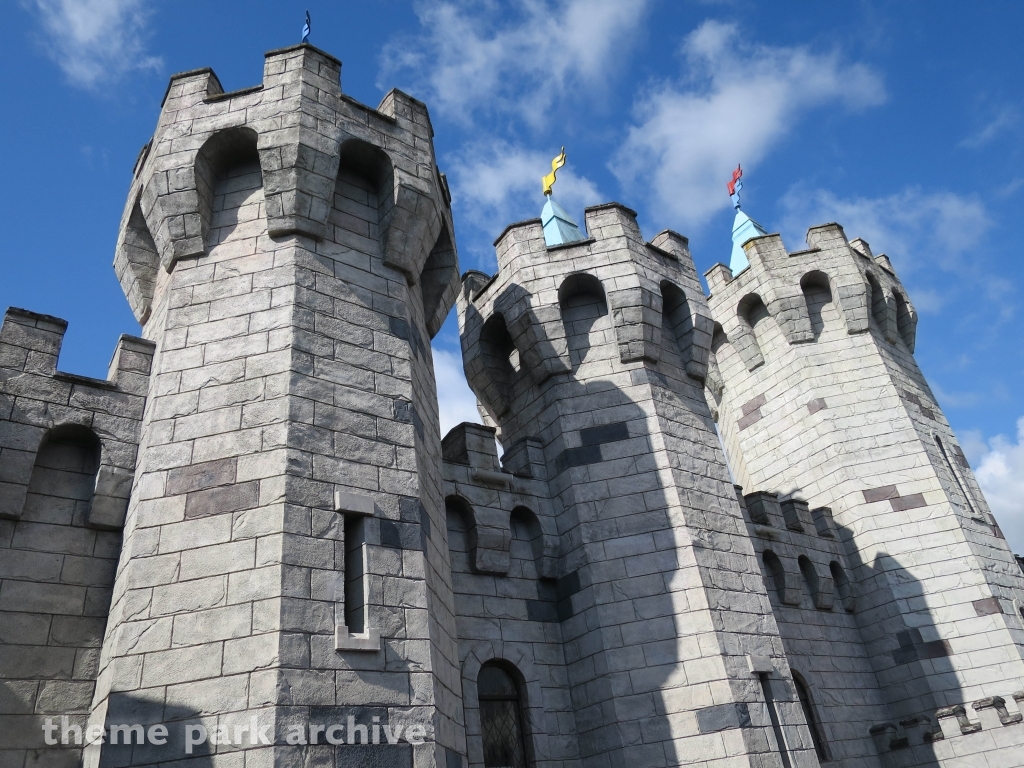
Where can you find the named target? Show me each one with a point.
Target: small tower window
(355, 571)
(804, 694)
(501, 718)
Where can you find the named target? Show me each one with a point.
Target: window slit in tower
(813, 724)
(773, 714)
(355, 572)
(956, 477)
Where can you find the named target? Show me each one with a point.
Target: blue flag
(306, 28)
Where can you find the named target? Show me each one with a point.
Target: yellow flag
(549, 180)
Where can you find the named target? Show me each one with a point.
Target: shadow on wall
(912, 662)
(56, 573)
(612, 611)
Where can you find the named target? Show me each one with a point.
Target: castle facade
(725, 530)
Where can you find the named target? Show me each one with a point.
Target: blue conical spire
(559, 228)
(743, 227)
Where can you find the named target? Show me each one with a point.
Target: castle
(252, 543)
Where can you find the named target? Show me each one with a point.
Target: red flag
(736, 175)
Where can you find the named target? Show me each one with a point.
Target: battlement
(951, 731)
(523, 306)
(42, 401)
(300, 130)
(865, 289)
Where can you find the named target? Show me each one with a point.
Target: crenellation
(255, 518)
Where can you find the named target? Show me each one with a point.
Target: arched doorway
(501, 718)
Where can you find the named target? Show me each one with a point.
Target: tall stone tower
(590, 356)
(290, 253)
(822, 406)
(250, 547)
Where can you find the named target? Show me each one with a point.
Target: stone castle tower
(254, 526)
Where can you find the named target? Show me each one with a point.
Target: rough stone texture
(300, 545)
(67, 457)
(290, 253)
(594, 356)
(846, 422)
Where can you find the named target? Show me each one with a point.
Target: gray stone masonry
(67, 456)
(290, 252)
(592, 358)
(818, 398)
(253, 524)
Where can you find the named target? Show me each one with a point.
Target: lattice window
(501, 719)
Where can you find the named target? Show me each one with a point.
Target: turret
(820, 401)
(590, 356)
(291, 252)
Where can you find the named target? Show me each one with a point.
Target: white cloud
(1000, 474)
(456, 401)
(735, 103)
(465, 61)
(95, 41)
(915, 228)
(497, 183)
(1007, 119)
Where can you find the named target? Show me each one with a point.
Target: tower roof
(743, 227)
(559, 228)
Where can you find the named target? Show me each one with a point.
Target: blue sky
(903, 121)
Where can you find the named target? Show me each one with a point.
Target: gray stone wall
(597, 353)
(300, 260)
(254, 519)
(67, 455)
(819, 398)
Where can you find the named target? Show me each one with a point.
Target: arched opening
(817, 291)
(584, 308)
(500, 357)
(718, 338)
(752, 315)
(437, 278)
(843, 586)
(879, 307)
(59, 570)
(776, 574)
(64, 475)
(677, 326)
(527, 546)
(906, 320)
(230, 186)
(461, 534)
(501, 716)
(803, 693)
(137, 262)
(821, 597)
(364, 191)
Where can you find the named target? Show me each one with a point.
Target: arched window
(813, 724)
(752, 314)
(817, 292)
(842, 583)
(496, 352)
(584, 309)
(229, 182)
(906, 320)
(527, 547)
(776, 574)
(501, 718)
(880, 313)
(821, 591)
(461, 534)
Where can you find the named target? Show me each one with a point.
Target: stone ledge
(346, 641)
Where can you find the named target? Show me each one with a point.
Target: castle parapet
(299, 127)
